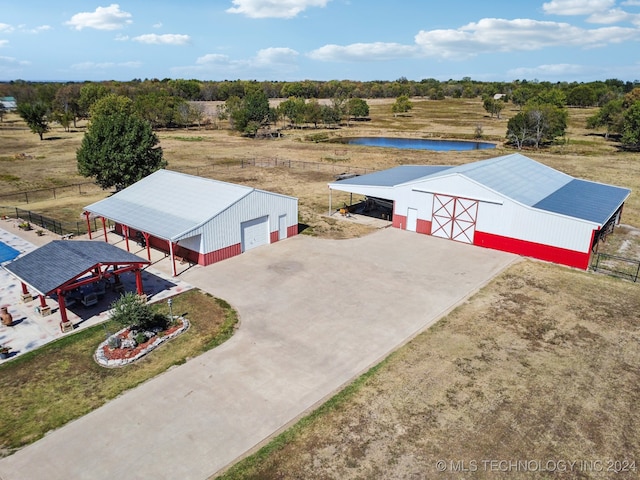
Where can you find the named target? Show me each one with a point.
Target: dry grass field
(542, 365)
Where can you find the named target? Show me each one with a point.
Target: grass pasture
(542, 364)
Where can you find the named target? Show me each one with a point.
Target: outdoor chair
(89, 299)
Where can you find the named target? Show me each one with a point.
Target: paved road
(314, 314)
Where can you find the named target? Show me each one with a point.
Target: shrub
(130, 311)
(141, 337)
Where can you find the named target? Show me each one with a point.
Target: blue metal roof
(57, 262)
(591, 201)
(393, 176)
(515, 176)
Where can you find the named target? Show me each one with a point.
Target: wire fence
(619, 266)
(333, 166)
(32, 196)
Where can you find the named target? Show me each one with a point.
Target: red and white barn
(198, 219)
(510, 203)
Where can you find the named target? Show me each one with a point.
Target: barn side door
(454, 218)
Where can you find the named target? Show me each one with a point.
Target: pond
(419, 143)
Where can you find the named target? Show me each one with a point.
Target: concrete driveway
(314, 315)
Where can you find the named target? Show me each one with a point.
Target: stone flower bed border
(101, 354)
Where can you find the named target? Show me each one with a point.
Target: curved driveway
(314, 315)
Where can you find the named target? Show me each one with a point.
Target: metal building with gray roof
(510, 203)
(198, 219)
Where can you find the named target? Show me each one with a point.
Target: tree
(518, 130)
(582, 96)
(610, 116)
(293, 108)
(119, 148)
(357, 108)
(631, 127)
(252, 112)
(536, 125)
(401, 105)
(313, 112)
(35, 115)
(90, 93)
(66, 103)
(493, 107)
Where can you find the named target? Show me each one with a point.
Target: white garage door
(255, 233)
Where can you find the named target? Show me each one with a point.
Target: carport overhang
(62, 265)
(386, 193)
(171, 238)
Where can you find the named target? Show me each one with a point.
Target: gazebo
(63, 266)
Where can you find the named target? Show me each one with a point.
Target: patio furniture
(90, 299)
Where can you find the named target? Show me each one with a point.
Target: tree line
(171, 103)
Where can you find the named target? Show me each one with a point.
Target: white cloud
(121, 38)
(157, 25)
(631, 3)
(212, 58)
(363, 52)
(6, 28)
(577, 7)
(615, 15)
(3, 43)
(104, 65)
(269, 61)
(274, 8)
(13, 61)
(104, 18)
(274, 56)
(494, 34)
(489, 35)
(555, 70)
(166, 39)
(36, 30)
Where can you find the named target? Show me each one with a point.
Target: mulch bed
(108, 356)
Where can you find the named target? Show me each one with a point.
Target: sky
(292, 40)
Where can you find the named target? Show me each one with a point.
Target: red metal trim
(274, 236)
(563, 256)
(86, 215)
(104, 229)
(221, 254)
(423, 226)
(399, 221)
(292, 230)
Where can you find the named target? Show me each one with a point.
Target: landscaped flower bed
(119, 349)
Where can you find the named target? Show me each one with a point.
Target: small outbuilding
(9, 103)
(197, 219)
(510, 203)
